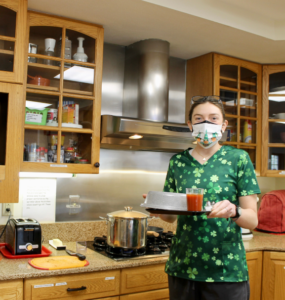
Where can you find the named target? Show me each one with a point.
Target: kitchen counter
(19, 268)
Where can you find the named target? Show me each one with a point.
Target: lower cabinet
(273, 281)
(11, 290)
(78, 286)
(162, 294)
(254, 263)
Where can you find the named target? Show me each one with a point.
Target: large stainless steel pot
(127, 228)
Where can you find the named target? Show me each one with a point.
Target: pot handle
(103, 218)
(152, 218)
(31, 77)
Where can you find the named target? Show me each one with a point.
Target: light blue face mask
(207, 134)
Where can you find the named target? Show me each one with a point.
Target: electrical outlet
(5, 206)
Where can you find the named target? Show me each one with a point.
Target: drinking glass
(81, 247)
(194, 199)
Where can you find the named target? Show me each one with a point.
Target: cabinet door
(238, 83)
(79, 286)
(150, 295)
(64, 78)
(11, 290)
(254, 263)
(11, 99)
(143, 279)
(273, 121)
(13, 15)
(273, 276)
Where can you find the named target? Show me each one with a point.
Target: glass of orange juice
(194, 199)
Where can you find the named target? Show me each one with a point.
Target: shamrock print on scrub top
(205, 249)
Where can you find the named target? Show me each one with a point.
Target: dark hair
(205, 100)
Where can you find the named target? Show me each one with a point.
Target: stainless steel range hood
(145, 104)
(157, 136)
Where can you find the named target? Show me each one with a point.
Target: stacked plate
(167, 201)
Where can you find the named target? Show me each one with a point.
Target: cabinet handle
(97, 165)
(77, 289)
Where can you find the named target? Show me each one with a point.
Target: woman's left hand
(223, 209)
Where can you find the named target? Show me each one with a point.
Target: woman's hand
(223, 209)
(152, 215)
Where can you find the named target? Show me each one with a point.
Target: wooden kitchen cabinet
(273, 276)
(11, 290)
(254, 263)
(145, 278)
(162, 294)
(69, 87)
(11, 97)
(13, 15)
(97, 285)
(273, 121)
(238, 83)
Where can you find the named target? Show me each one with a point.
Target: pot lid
(128, 213)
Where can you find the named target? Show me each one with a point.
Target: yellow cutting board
(57, 262)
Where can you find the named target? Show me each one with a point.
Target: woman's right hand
(152, 215)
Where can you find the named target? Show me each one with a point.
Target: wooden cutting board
(58, 262)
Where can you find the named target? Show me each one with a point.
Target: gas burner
(124, 252)
(100, 243)
(153, 249)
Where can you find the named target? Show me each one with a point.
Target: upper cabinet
(238, 83)
(63, 82)
(13, 15)
(273, 120)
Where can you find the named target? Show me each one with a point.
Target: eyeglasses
(202, 99)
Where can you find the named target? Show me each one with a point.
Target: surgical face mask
(207, 134)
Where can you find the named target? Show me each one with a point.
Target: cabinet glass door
(238, 89)
(274, 119)
(7, 38)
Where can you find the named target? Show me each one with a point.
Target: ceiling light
(78, 74)
(135, 137)
(276, 99)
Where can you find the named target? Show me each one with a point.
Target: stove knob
(29, 247)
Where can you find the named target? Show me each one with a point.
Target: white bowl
(164, 200)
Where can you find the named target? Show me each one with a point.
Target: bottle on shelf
(247, 131)
(80, 55)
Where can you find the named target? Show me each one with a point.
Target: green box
(36, 116)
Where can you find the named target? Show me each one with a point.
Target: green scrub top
(210, 250)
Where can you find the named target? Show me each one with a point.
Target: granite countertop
(19, 268)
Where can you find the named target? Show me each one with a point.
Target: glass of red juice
(194, 199)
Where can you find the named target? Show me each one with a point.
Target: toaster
(24, 236)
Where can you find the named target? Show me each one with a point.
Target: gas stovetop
(155, 247)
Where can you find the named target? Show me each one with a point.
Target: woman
(207, 258)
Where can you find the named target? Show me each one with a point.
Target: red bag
(271, 213)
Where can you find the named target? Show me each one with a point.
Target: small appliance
(23, 236)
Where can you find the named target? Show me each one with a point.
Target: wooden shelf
(276, 145)
(43, 92)
(276, 120)
(248, 82)
(248, 92)
(8, 52)
(63, 129)
(42, 87)
(43, 66)
(69, 91)
(7, 38)
(78, 96)
(228, 78)
(241, 106)
(237, 90)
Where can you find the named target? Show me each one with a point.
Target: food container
(127, 228)
(279, 116)
(36, 116)
(164, 200)
(53, 139)
(52, 117)
(38, 80)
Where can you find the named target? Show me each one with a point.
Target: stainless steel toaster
(24, 236)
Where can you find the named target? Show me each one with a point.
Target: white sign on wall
(38, 199)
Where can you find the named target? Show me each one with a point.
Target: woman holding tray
(207, 258)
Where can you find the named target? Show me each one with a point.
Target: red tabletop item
(6, 253)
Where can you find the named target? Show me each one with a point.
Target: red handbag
(271, 213)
